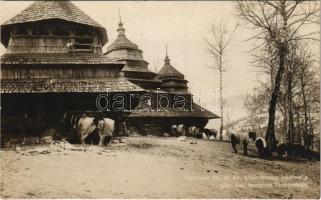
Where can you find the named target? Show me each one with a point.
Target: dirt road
(149, 167)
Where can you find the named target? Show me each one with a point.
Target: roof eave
(5, 29)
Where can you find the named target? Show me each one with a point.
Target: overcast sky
(182, 26)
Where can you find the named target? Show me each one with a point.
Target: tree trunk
(270, 132)
(282, 47)
(285, 121)
(311, 132)
(305, 133)
(291, 133)
(221, 103)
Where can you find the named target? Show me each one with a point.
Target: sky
(182, 26)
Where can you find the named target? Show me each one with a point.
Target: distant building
(54, 65)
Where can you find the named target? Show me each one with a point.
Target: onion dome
(136, 68)
(122, 41)
(172, 79)
(52, 10)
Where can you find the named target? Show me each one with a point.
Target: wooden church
(54, 65)
(164, 89)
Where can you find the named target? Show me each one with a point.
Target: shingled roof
(169, 71)
(197, 112)
(63, 58)
(63, 9)
(46, 85)
(136, 68)
(122, 41)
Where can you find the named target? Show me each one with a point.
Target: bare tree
(255, 103)
(278, 23)
(308, 91)
(217, 47)
(300, 78)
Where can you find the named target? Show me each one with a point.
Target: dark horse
(236, 139)
(283, 148)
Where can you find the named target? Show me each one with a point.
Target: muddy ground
(151, 167)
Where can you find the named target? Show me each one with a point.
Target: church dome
(122, 41)
(172, 79)
(136, 68)
(52, 10)
(169, 71)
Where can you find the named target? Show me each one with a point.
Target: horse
(210, 132)
(260, 144)
(237, 138)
